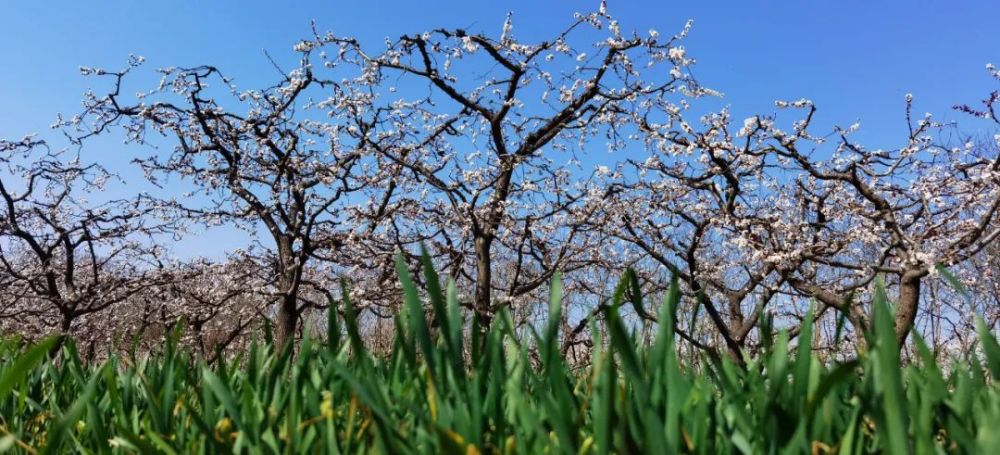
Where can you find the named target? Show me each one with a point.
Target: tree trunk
(287, 319)
(289, 275)
(909, 302)
(64, 327)
(484, 280)
(67, 323)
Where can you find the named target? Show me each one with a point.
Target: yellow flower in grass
(326, 407)
(224, 425)
(222, 429)
(510, 445)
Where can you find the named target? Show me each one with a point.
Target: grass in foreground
(427, 397)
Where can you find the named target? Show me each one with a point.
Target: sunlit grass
(430, 395)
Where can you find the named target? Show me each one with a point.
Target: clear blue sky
(855, 59)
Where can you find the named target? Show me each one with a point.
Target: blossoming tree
(496, 129)
(62, 257)
(278, 161)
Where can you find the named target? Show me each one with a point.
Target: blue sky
(855, 59)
